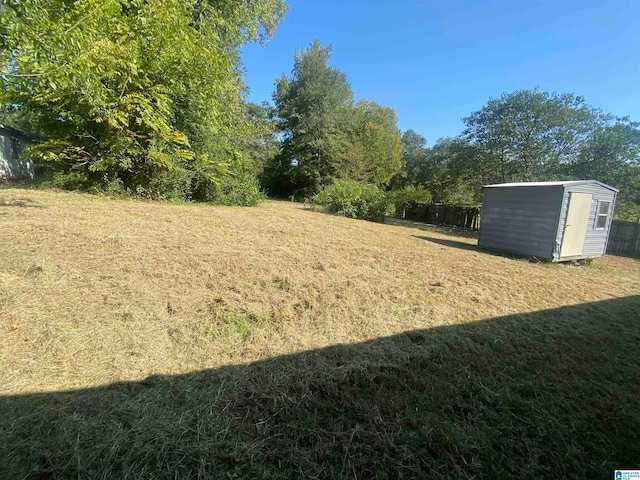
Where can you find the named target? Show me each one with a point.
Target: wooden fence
(466, 217)
(624, 239)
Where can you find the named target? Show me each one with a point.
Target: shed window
(603, 215)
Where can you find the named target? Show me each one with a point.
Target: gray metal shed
(553, 221)
(12, 145)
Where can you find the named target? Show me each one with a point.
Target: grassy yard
(149, 340)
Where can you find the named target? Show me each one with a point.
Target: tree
(376, 148)
(325, 136)
(612, 155)
(449, 170)
(142, 94)
(609, 152)
(414, 154)
(533, 135)
(528, 135)
(416, 161)
(452, 173)
(413, 142)
(259, 141)
(312, 107)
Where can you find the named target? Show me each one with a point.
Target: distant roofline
(560, 183)
(13, 131)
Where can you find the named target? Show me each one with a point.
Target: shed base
(577, 258)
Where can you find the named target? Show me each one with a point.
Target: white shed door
(575, 227)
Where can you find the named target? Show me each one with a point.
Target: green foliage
(192, 183)
(414, 156)
(456, 176)
(137, 91)
(326, 136)
(71, 180)
(527, 135)
(523, 136)
(312, 108)
(408, 197)
(612, 155)
(241, 190)
(277, 177)
(449, 170)
(238, 189)
(259, 141)
(375, 154)
(354, 200)
(412, 142)
(627, 211)
(169, 185)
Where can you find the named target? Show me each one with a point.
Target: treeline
(528, 135)
(146, 98)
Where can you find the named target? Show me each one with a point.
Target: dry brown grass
(153, 319)
(95, 290)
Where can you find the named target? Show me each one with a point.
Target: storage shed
(554, 221)
(12, 164)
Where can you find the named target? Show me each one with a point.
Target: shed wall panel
(595, 242)
(521, 220)
(10, 166)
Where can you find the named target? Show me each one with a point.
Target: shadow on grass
(475, 248)
(427, 227)
(451, 243)
(550, 394)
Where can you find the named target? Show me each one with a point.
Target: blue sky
(435, 62)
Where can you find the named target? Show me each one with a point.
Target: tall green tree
(454, 175)
(375, 154)
(532, 135)
(612, 155)
(609, 151)
(416, 160)
(138, 93)
(449, 171)
(325, 136)
(312, 107)
(528, 135)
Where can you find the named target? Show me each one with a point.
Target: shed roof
(14, 132)
(552, 184)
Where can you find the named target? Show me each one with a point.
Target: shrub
(177, 184)
(354, 200)
(243, 190)
(70, 180)
(76, 179)
(171, 185)
(408, 197)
